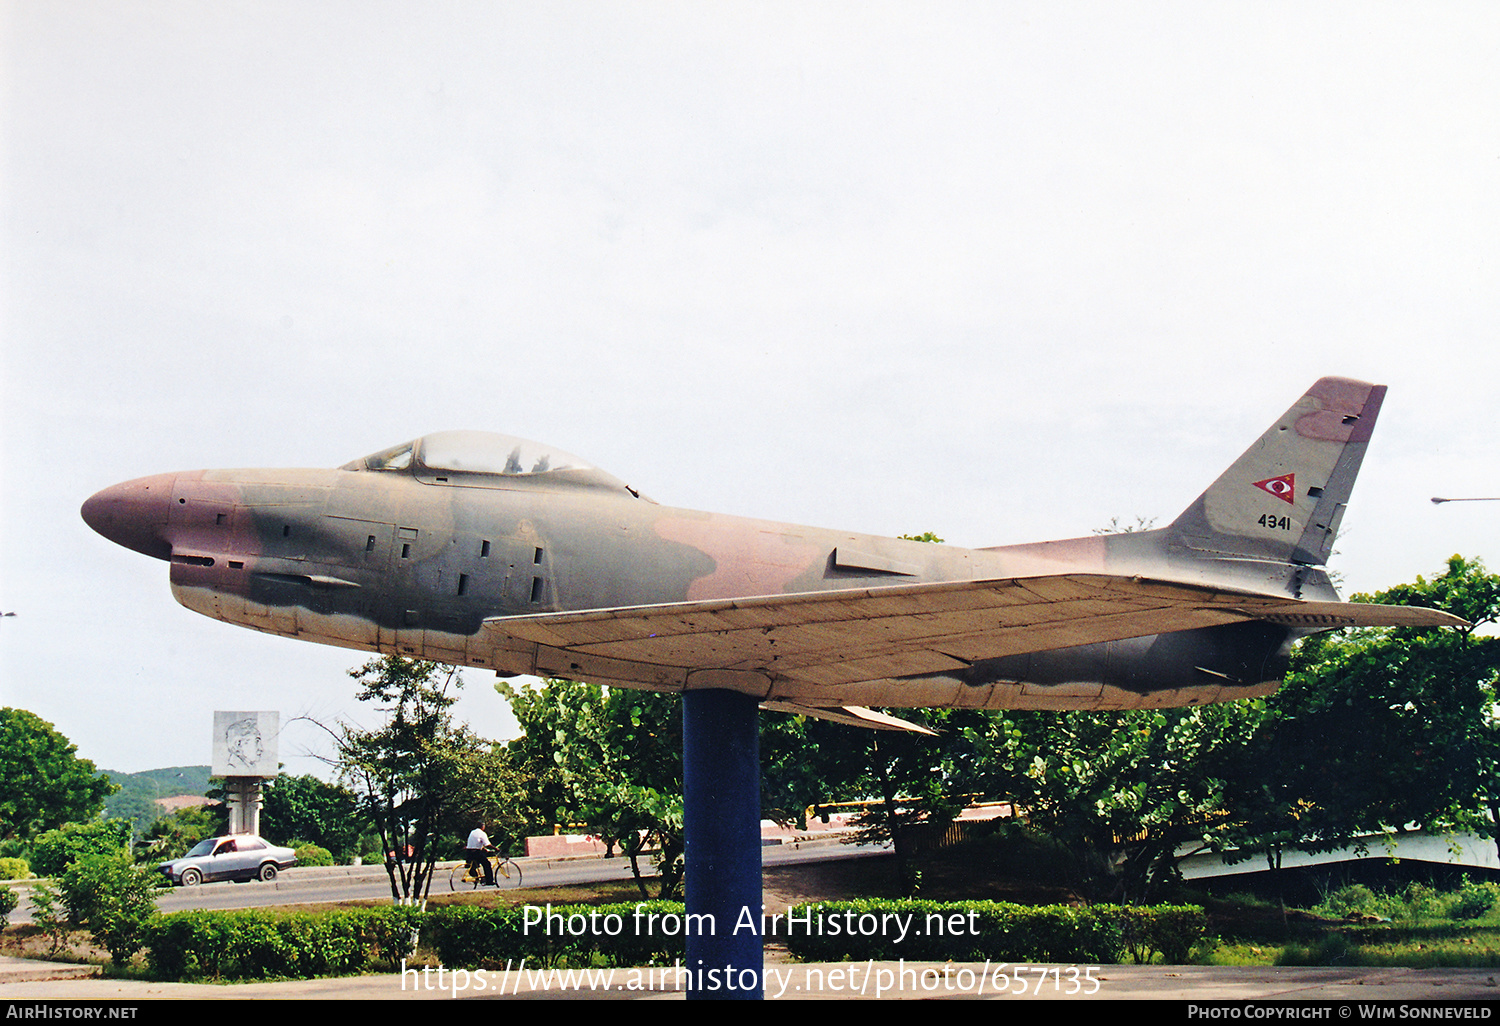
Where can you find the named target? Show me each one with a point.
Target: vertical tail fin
(1284, 498)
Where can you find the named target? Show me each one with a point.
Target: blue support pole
(721, 821)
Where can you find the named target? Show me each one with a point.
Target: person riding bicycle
(477, 851)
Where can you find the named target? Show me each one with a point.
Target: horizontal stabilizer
(1322, 616)
(850, 715)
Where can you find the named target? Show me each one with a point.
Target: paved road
(308, 885)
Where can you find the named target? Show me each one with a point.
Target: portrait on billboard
(245, 743)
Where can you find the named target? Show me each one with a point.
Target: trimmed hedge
(1172, 930)
(973, 931)
(470, 937)
(260, 944)
(257, 945)
(254, 944)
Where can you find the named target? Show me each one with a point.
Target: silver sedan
(237, 857)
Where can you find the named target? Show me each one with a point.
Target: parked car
(236, 857)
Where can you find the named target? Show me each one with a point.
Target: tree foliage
(170, 837)
(56, 850)
(610, 759)
(43, 783)
(423, 780)
(1381, 730)
(1124, 791)
(1374, 730)
(909, 780)
(906, 781)
(313, 810)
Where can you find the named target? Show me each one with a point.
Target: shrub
(468, 936)
(112, 898)
(49, 916)
(1172, 930)
(961, 931)
(312, 855)
(1351, 900)
(1419, 901)
(8, 901)
(1472, 900)
(14, 869)
(998, 931)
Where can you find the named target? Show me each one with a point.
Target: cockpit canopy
(480, 459)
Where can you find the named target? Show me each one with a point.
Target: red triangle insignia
(1283, 487)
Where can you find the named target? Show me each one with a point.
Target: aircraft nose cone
(134, 514)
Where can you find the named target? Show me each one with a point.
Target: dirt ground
(25, 941)
(785, 886)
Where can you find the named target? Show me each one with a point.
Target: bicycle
(505, 871)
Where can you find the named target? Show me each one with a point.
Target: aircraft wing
(833, 638)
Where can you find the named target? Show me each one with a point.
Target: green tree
(8, 902)
(43, 783)
(914, 781)
(412, 773)
(1464, 589)
(56, 850)
(170, 837)
(610, 759)
(1124, 792)
(49, 915)
(1378, 730)
(564, 749)
(309, 854)
(486, 789)
(794, 773)
(312, 810)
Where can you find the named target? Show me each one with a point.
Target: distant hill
(165, 782)
(136, 799)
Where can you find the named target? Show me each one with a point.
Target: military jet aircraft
(492, 551)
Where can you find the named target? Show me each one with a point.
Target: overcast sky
(1001, 271)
